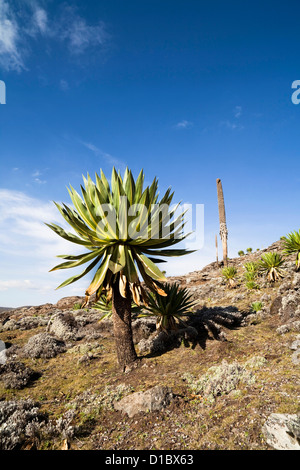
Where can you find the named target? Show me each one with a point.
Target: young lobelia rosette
(124, 227)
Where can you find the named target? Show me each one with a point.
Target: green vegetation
(169, 309)
(104, 305)
(251, 285)
(241, 253)
(256, 306)
(251, 275)
(120, 245)
(271, 265)
(251, 267)
(77, 306)
(249, 250)
(291, 245)
(229, 273)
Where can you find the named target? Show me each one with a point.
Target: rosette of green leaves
(291, 245)
(169, 309)
(270, 264)
(101, 219)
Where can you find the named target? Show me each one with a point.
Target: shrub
(251, 266)
(256, 306)
(271, 265)
(229, 273)
(251, 285)
(169, 309)
(291, 245)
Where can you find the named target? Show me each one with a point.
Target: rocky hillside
(229, 380)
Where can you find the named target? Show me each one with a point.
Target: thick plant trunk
(121, 316)
(222, 219)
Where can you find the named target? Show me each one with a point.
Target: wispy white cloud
(11, 51)
(36, 177)
(231, 125)
(64, 85)
(78, 34)
(16, 284)
(237, 111)
(104, 155)
(20, 27)
(183, 124)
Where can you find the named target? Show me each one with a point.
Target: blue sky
(188, 90)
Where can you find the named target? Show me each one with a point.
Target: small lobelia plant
(169, 309)
(250, 275)
(249, 250)
(256, 306)
(241, 253)
(251, 266)
(229, 273)
(291, 245)
(251, 271)
(252, 285)
(270, 264)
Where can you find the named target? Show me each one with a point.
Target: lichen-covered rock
(282, 431)
(154, 399)
(2, 353)
(16, 375)
(291, 326)
(26, 323)
(22, 422)
(160, 342)
(296, 281)
(142, 328)
(290, 306)
(19, 420)
(63, 326)
(43, 345)
(276, 305)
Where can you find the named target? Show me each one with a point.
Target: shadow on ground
(205, 324)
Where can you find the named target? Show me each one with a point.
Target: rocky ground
(229, 380)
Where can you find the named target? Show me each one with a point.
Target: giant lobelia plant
(124, 227)
(291, 245)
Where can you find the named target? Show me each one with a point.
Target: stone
(296, 281)
(142, 328)
(276, 305)
(43, 345)
(296, 357)
(289, 308)
(154, 399)
(2, 353)
(282, 431)
(67, 303)
(159, 342)
(292, 326)
(296, 343)
(63, 326)
(3, 357)
(18, 420)
(15, 375)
